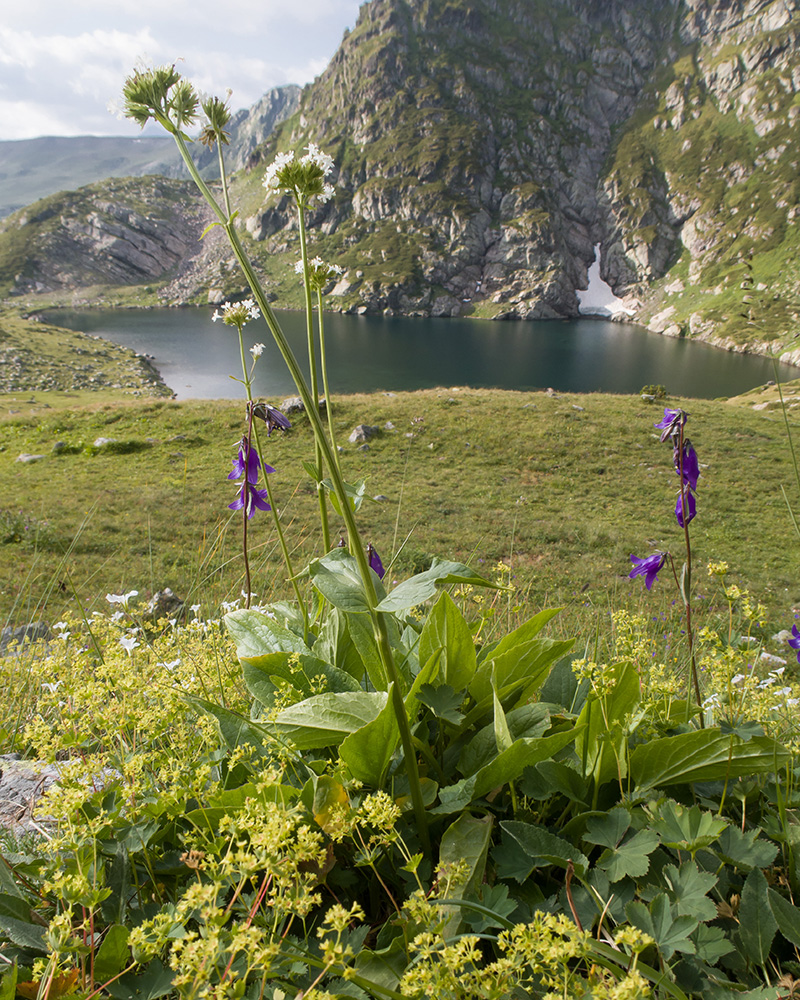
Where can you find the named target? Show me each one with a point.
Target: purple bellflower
(249, 499)
(648, 567)
(246, 465)
(247, 460)
(691, 466)
(272, 417)
(794, 642)
(691, 507)
(670, 425)
(375, 561)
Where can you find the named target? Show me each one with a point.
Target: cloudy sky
(63, 61)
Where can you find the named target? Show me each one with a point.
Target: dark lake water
(196, 357)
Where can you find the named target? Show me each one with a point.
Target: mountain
(486, 148)
(34, 168)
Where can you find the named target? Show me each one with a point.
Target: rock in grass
(26, 459)
(362, 433)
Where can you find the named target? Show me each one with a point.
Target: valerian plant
(380, 802)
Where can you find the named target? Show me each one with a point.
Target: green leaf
(602, 744)
(705, 755)
(24, 934)
(8, 984)
(507, 766)
(256, 634)
(757, 923)
(608, 830)
(233, 728)
(522, 668)
(336, 576)
(445, 629)
(502, 734)
(369, 750)
(16, 907)
(511, 861)
(744, 730)
(335, 645)
(494, 898)
(465, 840)
(112, 955)
(355, 493)
(298, 669)
(424, 679)
(787, 916)
(312, 471)
(326, 719)
(685, 828)
(528, 722)
(154, 982)
(711, 944)
(442, 700)
(7, 882)
(745, 850)
(688, 888)
(670, 933)
(556, 778)
(546, 848)
(228, 801)
(631, 858)
(420, 588)
(360, 629)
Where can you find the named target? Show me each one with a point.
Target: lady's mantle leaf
(631, 858)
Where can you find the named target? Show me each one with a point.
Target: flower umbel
(237, 313)
(648, 567)
(319, 273)
(304, 177)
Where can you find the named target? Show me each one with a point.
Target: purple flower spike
(691, 507)
(691, 466)
(795, 641)
(648, 567)
(247, 460)
(375, 561)
(671, 424)
(249, 499)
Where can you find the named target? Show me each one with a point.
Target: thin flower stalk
(142, 110)
(686, 588)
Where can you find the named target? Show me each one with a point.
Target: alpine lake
(197, 358)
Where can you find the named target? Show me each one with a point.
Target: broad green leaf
(562, 687)
(385, 966)
(330, 797)
(757, 923)
(154, 982)
(424, 679)
(8, 984)
(445, 629)
(256, 634)
(465, 840)
(705, 755)
(494, 898)
(442, 700)
(7, 882)
(511, 861)
(528, 722)
(24, 934)
(745, 850)
(688, 888)
(712, 944)
(787, 916)
(336, 576)
(546, 848)
(355, 493)
(608, 830)
(300, 670)
(602, 744)
(420, 588)
(335, 645)
(113, 954)
(685, 828)
(520, 669)
(369, 750)
(630, 859)
(361, 632)
(233, 728)
(507, 766)
(326, 719)
(552, 777)
(502, 734)
(670, 933)
(14, 906)
(227, 801)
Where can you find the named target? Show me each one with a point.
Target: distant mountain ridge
(484, 148)
(34, 168)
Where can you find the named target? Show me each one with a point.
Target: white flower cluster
(122, 598)
(280, 176)
(319, 273)
(257, 350)
(237, 313)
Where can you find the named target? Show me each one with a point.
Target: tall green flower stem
(324, 366)
(312, 366)
(252, 432)
(156, 95)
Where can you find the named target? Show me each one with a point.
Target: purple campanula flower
(691, 507)
(250, 498)
(272, 417)
(795, 641)
(247, 460)
(648, 567)
(671, 423)
(375, 561)
(691, 466)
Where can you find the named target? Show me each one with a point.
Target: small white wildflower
(792, 701)
(767, 682)
(271, 175)
(737, 679)
(171, 665)
(257, 350)
(328, 192)
(713, 699)
(52, 688)
(128, 643)
(315, 155)
(252, 594)
(116, 616)
(298, 267)
(195, 608)
(237, 313)
(60, 625)
(122, 598)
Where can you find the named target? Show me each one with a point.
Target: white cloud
(61, 63)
